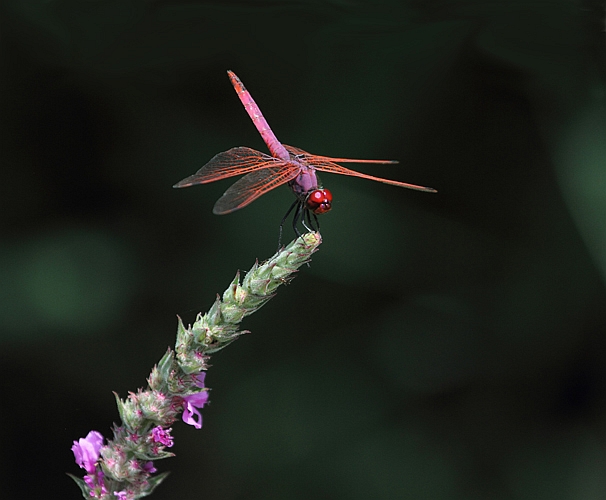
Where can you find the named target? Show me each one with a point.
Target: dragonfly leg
(317, 228)
(314, 224)
(299, 215)
(283, 220)
(306, 218)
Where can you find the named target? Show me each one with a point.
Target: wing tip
(218, 209)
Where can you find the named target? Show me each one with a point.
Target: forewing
(251, 186)
(327, 164)
(308, 157)
(235, 161)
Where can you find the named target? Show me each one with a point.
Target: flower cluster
(124, 467)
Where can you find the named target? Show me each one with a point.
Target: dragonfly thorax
(307, 188)
(305, 182)
(319, 201)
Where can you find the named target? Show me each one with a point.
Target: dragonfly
(285, 165)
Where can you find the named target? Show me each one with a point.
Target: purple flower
(121, 495)
(149, 467)
(199, 379)
(86, 450)
(160, 435)
(195, 401)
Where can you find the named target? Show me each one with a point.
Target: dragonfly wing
(333, 168)
(252, 186)
(305, 156)
(327, 164)
(235, 161)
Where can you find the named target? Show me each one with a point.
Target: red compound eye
(319, 201)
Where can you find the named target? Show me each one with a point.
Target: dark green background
(446, 346)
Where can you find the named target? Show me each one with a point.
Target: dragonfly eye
(319, 201)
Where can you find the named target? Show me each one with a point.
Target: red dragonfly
(286, 165)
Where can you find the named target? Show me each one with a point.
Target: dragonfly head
(319, 201)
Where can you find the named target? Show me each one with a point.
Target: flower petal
(86, 450)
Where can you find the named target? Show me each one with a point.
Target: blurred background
(440, 346)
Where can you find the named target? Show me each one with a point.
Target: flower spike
(124, 467)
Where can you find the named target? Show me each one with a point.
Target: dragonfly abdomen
(275, 147)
